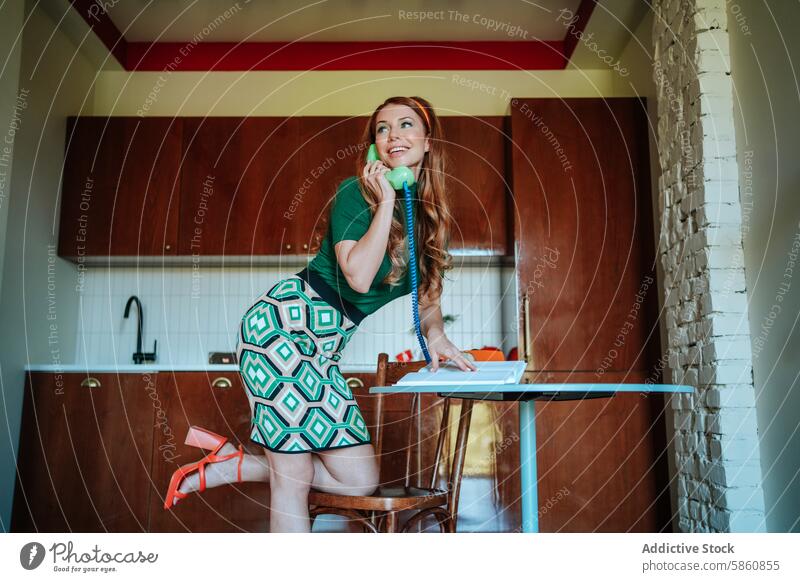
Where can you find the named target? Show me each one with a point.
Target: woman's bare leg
(291, 475)
(344, 471)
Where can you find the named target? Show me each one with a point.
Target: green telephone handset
(396, 176)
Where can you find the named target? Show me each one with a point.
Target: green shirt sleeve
(350, 216)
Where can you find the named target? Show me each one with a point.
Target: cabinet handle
(90, 382)
(355, 383)
(288, 247)
(305, 246)
(222, 383)
(526, 330)
(167, 247)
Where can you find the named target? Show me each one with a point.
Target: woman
(291, 339)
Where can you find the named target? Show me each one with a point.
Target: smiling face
(400, 137)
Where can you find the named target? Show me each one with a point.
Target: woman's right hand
(374, 175)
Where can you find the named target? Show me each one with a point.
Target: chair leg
(373, 517)
(451, 524)
(390, 523)
(457, 467)
(443, 519)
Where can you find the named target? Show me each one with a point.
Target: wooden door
(237, 183)
(84, 453)
(586, 263)
(217, 402)
(585, 256)
(120, 187)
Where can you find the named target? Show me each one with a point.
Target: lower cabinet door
(84, 453)
(217, 402)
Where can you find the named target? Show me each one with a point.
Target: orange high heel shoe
(204, 439)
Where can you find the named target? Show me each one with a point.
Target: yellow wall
(337, 92)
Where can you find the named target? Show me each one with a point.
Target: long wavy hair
(432, 218)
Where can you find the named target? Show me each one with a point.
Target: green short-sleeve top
(350, 220)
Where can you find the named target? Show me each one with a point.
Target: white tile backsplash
(192, 312)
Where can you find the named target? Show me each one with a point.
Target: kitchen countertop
(151, 367)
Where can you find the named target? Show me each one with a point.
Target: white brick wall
(716, 434)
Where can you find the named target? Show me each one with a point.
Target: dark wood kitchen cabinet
(233, 186)
(97, 452)
(264, 186)
(121, 187)
(85, 451)
(215, 401)
(239, 178)
(477, 148)
(328, 150)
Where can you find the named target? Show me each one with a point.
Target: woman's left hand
(438, 344)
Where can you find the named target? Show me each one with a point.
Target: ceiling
(339, 20)
(612, 24)
(524, 33)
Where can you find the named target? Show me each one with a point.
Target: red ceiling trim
(575, 27)
(343, 56)
(334, 56)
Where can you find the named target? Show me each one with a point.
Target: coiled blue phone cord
(413, 267)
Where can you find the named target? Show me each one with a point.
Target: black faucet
(138, 356)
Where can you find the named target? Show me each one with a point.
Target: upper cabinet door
(121, 178)
(238, 183)
(476, 149)
(329, 151)
(584, 235)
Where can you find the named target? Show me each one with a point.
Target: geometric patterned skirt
(290, 342)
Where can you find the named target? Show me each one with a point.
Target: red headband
(425, 113)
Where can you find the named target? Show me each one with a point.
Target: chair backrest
(388, 373)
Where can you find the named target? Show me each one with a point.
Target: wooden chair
(379, 511)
